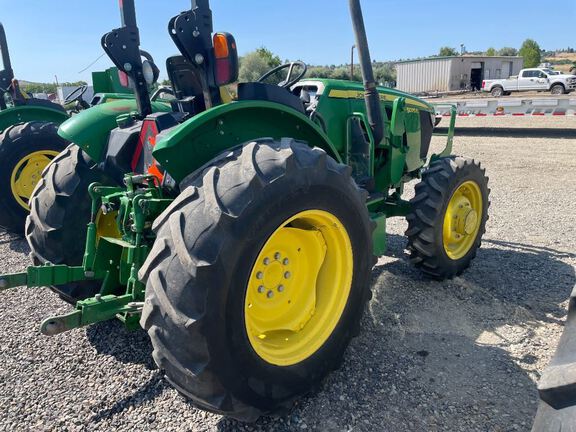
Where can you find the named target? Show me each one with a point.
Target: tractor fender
(186, 147)
(90, 129)
(25, 114)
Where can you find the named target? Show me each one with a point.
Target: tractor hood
(90, 129)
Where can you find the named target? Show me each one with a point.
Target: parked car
(535, 79)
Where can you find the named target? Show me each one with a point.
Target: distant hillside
(562, 61)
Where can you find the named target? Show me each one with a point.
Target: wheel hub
(298, 287)
(27, 173)
(462, 220)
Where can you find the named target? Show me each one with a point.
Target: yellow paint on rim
(298, 288)
(27, 173)
(462, 220)
(106, 225)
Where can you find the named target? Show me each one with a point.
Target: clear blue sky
(61, 37)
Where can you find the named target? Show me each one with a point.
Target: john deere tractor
(29, 137)
(244, 234)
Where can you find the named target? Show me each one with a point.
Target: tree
(530, 51)
(447, 52)
(252, 67)
(271, 59)
(508, 52)
(256, 63)
(491, 52)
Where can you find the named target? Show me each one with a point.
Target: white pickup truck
(537, 79)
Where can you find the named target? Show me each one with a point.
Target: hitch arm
(91, 311)
(44, 276)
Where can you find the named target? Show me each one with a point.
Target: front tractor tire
(448, 217)
(59, 216)
(258, 278)
(25, 151)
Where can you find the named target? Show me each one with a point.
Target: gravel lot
(462, 355)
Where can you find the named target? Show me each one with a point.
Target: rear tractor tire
(258, 278)
(448, 217)
(59, 216)
(25, 151)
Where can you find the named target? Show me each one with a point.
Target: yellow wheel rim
(27, 173)
(462, 220)
(298, 287)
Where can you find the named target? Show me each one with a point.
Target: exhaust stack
(373, 108)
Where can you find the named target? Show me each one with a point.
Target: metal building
(444, 74)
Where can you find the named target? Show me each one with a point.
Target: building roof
(457, 57)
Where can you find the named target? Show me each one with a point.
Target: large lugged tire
(59, 215)
(448, 217)
(236, 260)
(25, 151)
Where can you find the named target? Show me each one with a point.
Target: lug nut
(270, 294)
(261, 289)
(287, 275)
(277, 256)
(266, 261)
(281, 288)
(259, 275)
(286, 261)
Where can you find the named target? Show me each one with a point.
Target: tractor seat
(271, 93)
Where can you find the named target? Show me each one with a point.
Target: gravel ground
(462, 355)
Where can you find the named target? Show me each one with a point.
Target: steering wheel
(288, 82)
(76, 94)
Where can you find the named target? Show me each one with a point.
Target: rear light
(483, 84)
(226, 54)
(124, 80)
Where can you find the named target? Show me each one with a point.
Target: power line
(92, 64)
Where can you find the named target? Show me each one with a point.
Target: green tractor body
(216, 208)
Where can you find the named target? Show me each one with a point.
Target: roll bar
(123, 47)
(6, 74)
(372, 97)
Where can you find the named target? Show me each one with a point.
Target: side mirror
(226, 54)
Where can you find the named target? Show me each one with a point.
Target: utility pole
(352, 63)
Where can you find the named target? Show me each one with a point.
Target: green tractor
(29, 137)
(244, 234)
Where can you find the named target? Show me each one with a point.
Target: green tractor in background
(244, 234)
(29, 137)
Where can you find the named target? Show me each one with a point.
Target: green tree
(508, 51)
(252, 67)
(530, 51)
(271, 59)
(256, 63)
(447, 52)
(491, 52)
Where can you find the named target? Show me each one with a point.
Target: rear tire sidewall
(241, 358)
